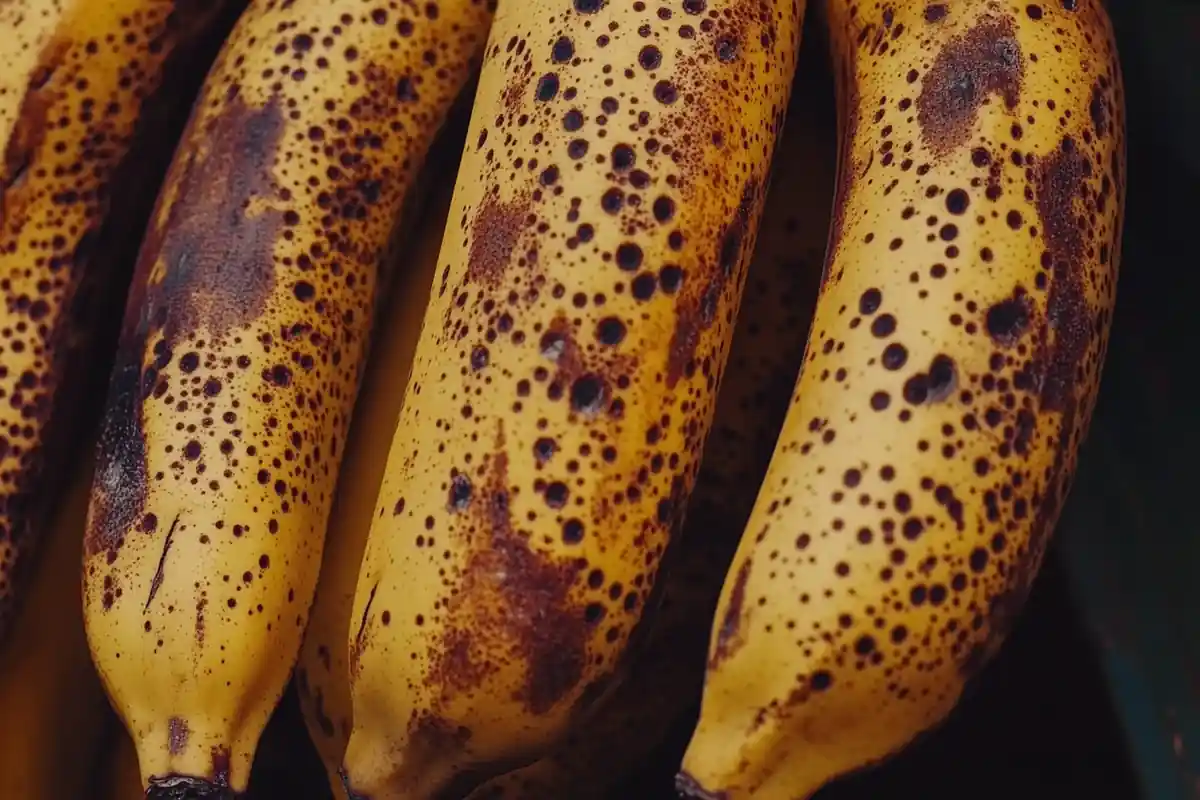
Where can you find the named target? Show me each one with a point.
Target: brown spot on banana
(955, 358)
(984, 61)
(727, 640)
(177, 735)
(240, 357)
(207, 258)
(641, 143)
(91, 106)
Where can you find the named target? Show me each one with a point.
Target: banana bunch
(498, 465)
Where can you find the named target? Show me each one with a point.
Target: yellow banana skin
(663, 682)
(90, 93)
(322, 672)
(564, 382)
(950, 377)
(54, 706)
(239, 362)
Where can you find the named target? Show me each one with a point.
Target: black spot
(1007, 320)
(665, 92)
(562, 51)
(664, 209)
(460, 492)
(957, 201)
(629, 256)
(612, 200)
(895, 356)
(572, 531)
(650, 57)
(610, 331)
(547, 87)
(642, 287)
(883, 326)
(588, 394)
(623, 157)
(869, 302)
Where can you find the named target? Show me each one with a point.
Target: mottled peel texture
(564, 384)
(662, 681)
(949, 380)
(240, 358)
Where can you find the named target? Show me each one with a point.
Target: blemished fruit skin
(323, 670)
(90, 93)
(663, 683)
(54, 707)
(239, 361)
(607, 200)
(949, 380)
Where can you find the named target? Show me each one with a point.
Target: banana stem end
(688, 788)
(186, 787)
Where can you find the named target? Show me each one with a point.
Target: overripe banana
(663, 682)
(90, 95)
(564, 381)
(322, 672)
(949, 381)
(54, 706)
(239, 361)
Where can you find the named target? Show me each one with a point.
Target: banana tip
(185, 787)
(688, 788)
(350, 793)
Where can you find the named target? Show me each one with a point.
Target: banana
(322, 672)
(564, 381)
(239, 360)
(90, 94)
(663, 683)
(54, 706)
(949, 381)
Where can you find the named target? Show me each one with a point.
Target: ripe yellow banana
(54, 706)
(564, 381)
(90, 94)
(663, 682)
(240, 355)
(322, 672)
(950, 377)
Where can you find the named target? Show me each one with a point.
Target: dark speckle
(1007, 320)
(494, 234)
(935, 12)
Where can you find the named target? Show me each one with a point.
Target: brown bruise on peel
(83, 148)
(633, 156)
(244, 335)
(953, 364)
(205, 207)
